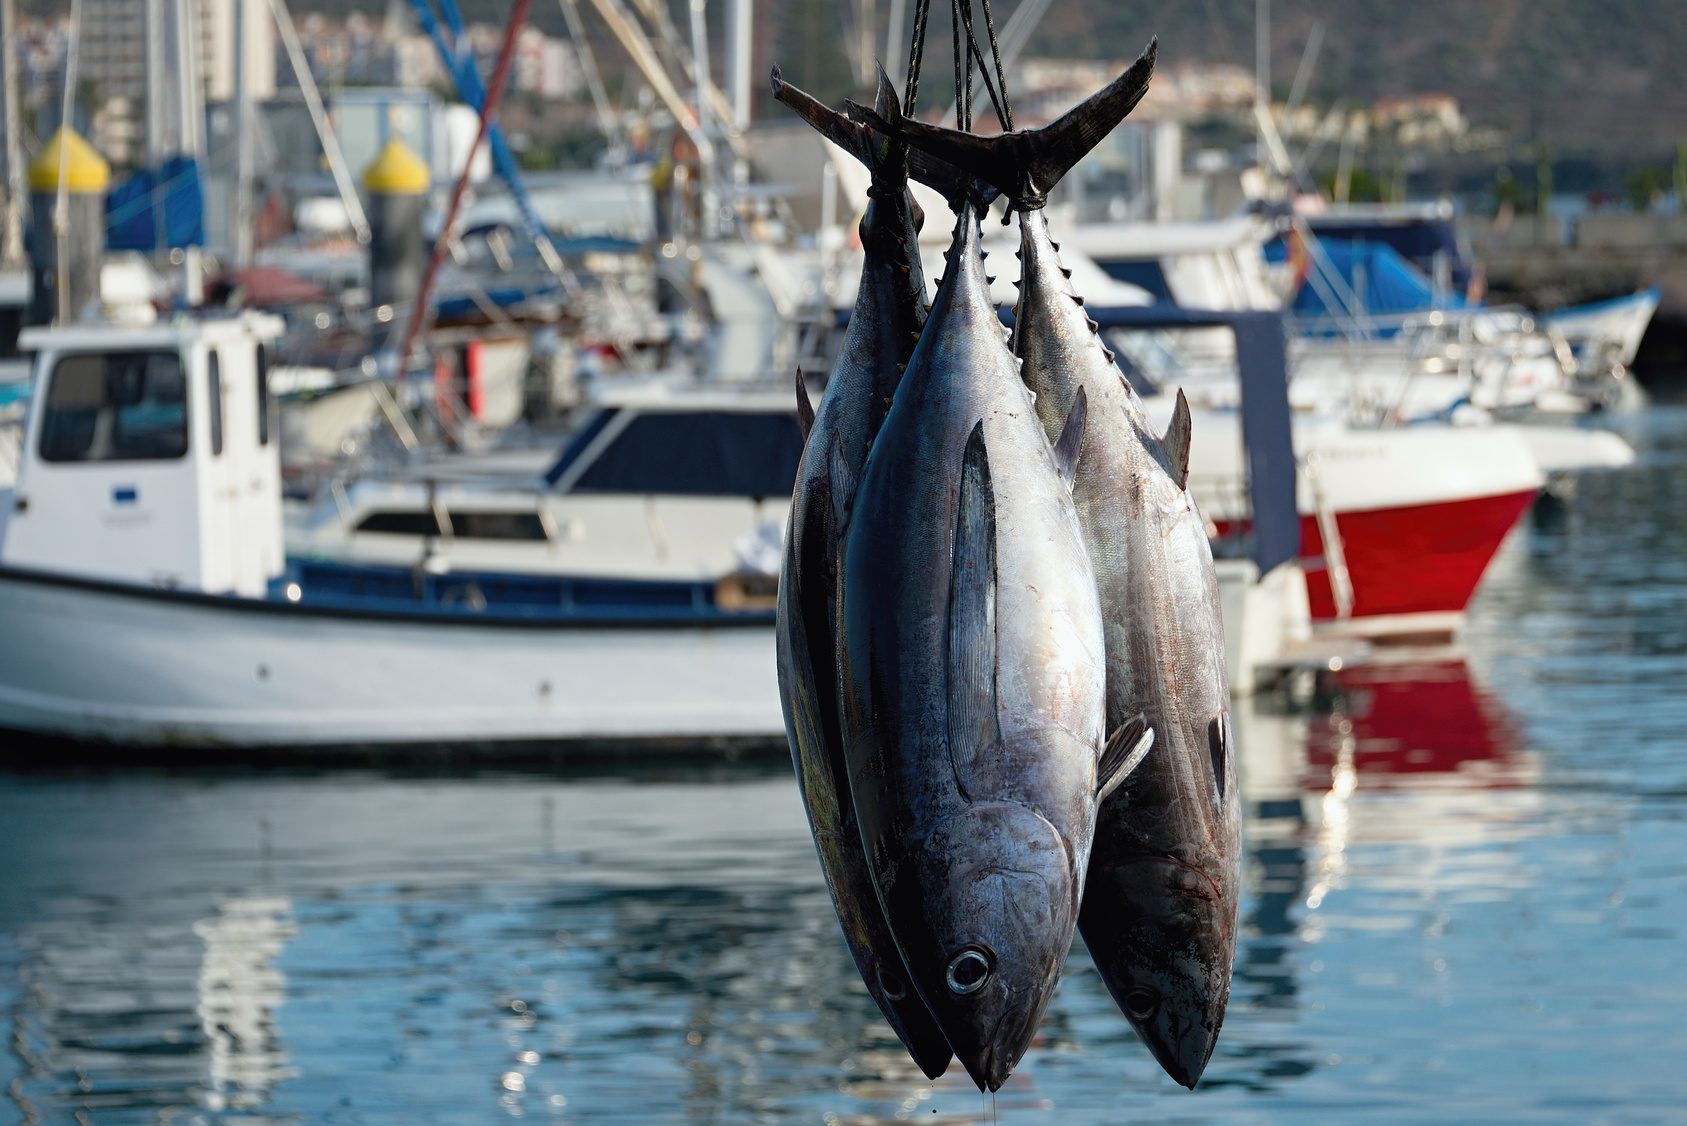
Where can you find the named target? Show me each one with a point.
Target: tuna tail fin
(1123, 753)
(973, 723)
(805, 408)
(1072, 440)
(930, 169)
(828, 122)
(885, 155)
(1176, 441)
(1025, 165)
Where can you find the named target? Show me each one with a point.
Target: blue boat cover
(1383, 281)
(1418, 241)
(157, 210)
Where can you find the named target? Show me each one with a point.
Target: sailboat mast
(241, 242)
(17, 187)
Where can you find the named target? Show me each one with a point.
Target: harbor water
(1467, 902)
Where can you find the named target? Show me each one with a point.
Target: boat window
(125, 406)
(700, 453)
(263, 395)
(214, 400)
(471, 525)
(399, 523)
(497, 525)
(1144, 274)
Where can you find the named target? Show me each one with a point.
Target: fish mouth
(1186, 1057)
(1002, 1052)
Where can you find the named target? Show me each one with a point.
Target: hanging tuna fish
(1159, 914)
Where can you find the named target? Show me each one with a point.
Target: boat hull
(1413, 569)
(104, 662)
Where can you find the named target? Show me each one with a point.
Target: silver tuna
(973, 679)
(1159, 915)
(890, 308)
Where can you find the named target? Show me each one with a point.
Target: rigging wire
(963, 9)
(963, 110)
(1005, 109)
(916, 56)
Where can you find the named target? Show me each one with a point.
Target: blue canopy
(1383, 282)
(157, 209)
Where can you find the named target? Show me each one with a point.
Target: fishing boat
(1396, 525)
(148, 603)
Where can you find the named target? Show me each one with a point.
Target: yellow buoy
(85, 170)
(396, 170)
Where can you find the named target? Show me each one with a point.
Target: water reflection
(239, 990)
(1465, 898)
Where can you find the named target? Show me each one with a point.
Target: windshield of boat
(683, 453)
(117, 406)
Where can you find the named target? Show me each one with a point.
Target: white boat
(676, 485)
(146, 603)
(1397, 525)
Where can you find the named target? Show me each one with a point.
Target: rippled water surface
(1467, 902)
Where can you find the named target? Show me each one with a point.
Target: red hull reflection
(1424, 717)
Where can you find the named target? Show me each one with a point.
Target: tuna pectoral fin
(1072, 439)
(1124, 752)
(841, 483)
(1025, 165)
(1176, 441)
(973, 724)
(805, 408)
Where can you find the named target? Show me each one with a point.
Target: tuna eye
(968, 971)
(891, 985)
(1141, 1002)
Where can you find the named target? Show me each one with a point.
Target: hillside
(1594, 75)
(1600, 77)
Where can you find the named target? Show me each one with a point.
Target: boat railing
(1335, 556)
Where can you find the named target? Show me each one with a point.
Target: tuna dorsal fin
(973, 724)
(1024, 165)
(1218, 745)
(1176, 441)
(1123, 753)
(805, 408)
(1072, 439)
(841, 482)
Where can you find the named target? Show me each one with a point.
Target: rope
(963, 22)
(911, 92)
(962, 113)
(1006, 110)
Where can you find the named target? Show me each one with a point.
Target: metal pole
(319, 118)
(700, 67)
(156, 148)
(193, 131)
(638, 48)
(242, 211)
(740, 18)
(866, 21)
(494, 94)
(606, 118)
(894, 38)
(61, 205)
(17, 184)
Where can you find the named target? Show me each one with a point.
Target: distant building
(111, 64)
(1427, 120)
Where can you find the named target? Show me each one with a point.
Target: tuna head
(985, 924)
(1168, 957)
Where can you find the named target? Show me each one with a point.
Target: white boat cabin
(150, 456)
